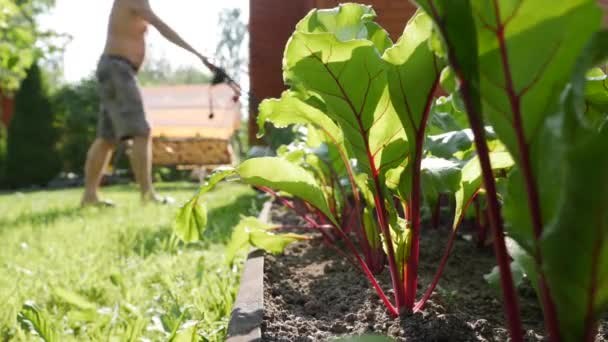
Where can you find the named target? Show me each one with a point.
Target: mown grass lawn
(116, 274)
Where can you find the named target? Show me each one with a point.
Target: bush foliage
(32, 157)
(76, 107)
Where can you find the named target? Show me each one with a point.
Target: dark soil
(312, 294)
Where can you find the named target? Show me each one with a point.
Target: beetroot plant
(377, 145)
(537, 108)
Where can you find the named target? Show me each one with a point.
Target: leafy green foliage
(551, 119)
(370, 101)
(255, 233)
(324, 61)
(76, 109)
(575, 217)
(292, 179)
(413, 75)
(191, 220)
(35, 320)
(21, 40)
(32, 157)
(471, 181)
(3, 141)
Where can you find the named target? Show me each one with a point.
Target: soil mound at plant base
(313, 294)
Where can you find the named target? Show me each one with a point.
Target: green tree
(22, 40)
(76, 108)
(32, 158)
(2, 152)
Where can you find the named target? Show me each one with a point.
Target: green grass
(116, 274)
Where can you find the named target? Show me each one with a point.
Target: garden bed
(312, 294)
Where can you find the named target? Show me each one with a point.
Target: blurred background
(49, 98)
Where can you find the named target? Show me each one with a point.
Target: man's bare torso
(126, 33)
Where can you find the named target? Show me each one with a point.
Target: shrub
(2, 153)
(76, 107)
(32, 157)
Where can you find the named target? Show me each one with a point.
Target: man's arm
(143, 9)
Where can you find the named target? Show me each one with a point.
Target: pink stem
(476, 121)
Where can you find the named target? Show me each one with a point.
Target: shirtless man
(122, 114)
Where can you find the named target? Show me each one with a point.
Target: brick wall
(271, 23)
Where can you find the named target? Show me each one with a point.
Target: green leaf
(371, 229)
(290, 110)
(74, 299)
(279, 174)
(33, 319)
(252, 232)
(347, 22)
(472, 180)
(450, 145)
(349, 77)
(579, 279)
(570, 165)
(189, 223)
(448, 80)
(446, 117)
(413, 76)
(191, 219)
(439, 176)
(493, 278)
(188, 334)
(536, 83)
(273, 243)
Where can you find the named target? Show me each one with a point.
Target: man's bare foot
(97, 203)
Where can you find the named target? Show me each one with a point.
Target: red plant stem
(370, 256)
(500, 250)
(378, 197)
(550, 313)
(411, 270)
(391, 308)
(444, 260)
(590, 320)
(392, 264)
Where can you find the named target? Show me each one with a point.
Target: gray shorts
(122, 114)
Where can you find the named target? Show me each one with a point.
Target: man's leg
(97, 159)
(141, 162)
